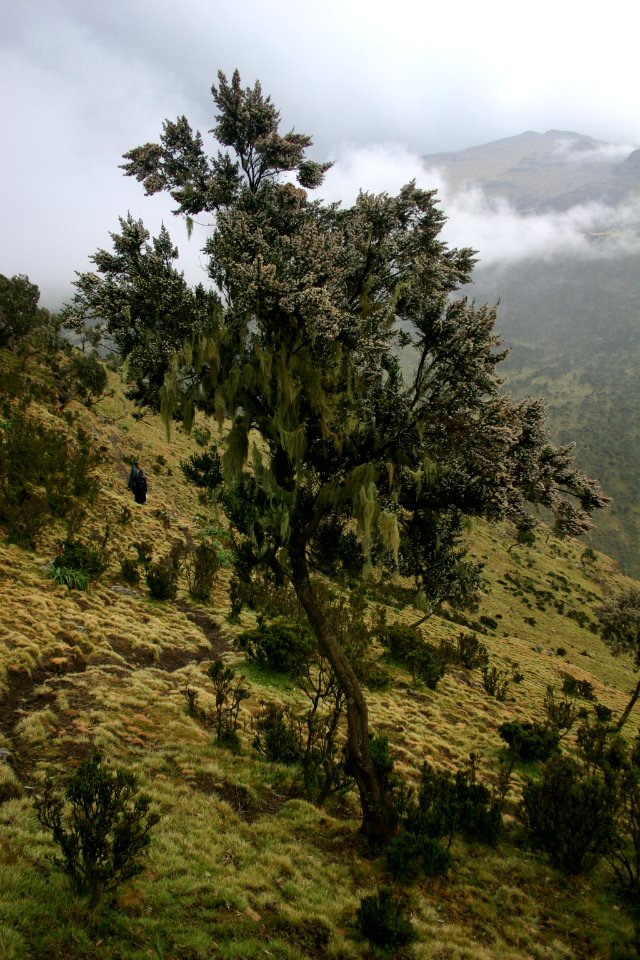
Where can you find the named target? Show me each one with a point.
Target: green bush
(280, 645)
(86, 557)
(577, 688)
(570, 812)
(129, 570)
(162, 580)
(446, 804)
(201, 568)
(427, 664)
(530, 741)
(495, 682)
(101, 825)
(410, 858)
(85, 376)
(468, 651)
(278, 735)
(400, 641)
(230, 692)
(45, 473)
(603, 713)
(406, 645)
(203, 470)
(382, 920)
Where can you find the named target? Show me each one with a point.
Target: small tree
(316, 302)
(145, 304)
(101, 826)
(619, 619)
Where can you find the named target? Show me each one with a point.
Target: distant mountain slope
(546, 171)
(571, 319)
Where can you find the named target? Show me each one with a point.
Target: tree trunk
(629, 707)
(379, 816)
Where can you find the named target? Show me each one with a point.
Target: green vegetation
(101, 826)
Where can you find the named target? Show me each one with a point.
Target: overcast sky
(375, 84)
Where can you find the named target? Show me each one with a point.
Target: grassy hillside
(241, 866)
(574, 332)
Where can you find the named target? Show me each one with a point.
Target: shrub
(577, 688)
(495, 682)
(230, 693)
(101, 826)
(129, 570)
(85, 557)
(203, 470)
(382, 920)
(603, 714)
(405, 644)
(411, 857)
(570, 812)
(400, 641)
(44, 473)
(85, 376)
(561, 714)
(278, 734)
(201, 568)
(468, 651)
(445, 804)
(530, 741)
(162, 580)
(144, 549)
(281, 645)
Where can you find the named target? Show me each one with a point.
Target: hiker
(132, 476)
(140, 487)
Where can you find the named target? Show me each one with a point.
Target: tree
(619, 619)
(26, 328)
(19, 311)
(317, 302)
(147, 306)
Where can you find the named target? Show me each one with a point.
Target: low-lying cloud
(490, 225)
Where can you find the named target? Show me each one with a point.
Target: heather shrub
(406, 645)
(278, 734)
(280, 645)
(203, 470)
(495, 682)
(230, 692)
(44, 473)
(201, 568)
(570, 812)
(530, 741)
(446, 804)
(100, 823)
(89, 558)
(162, 580)
(383, 920)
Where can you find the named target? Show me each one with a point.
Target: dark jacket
(132, 476)
(140, 487)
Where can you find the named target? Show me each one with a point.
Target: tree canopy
(144, 303)
(317, 302)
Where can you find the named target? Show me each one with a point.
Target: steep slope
(241, 866)
(570, 314)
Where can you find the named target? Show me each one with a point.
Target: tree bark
(379, 817)
(629, 707)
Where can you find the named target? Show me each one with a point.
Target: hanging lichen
(236, 453)
(390, 533)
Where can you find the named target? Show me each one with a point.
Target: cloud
(489, 225)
